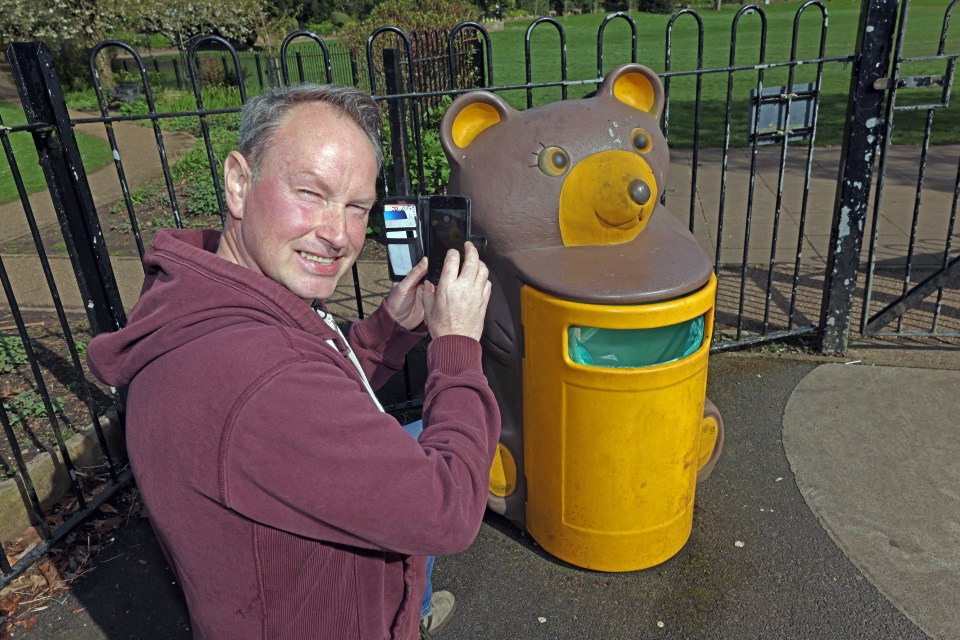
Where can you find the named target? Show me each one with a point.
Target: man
(289, 505)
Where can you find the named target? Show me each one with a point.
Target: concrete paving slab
(874, 451)
(896, 214)
(33, 293)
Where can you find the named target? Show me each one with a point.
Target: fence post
(43, 103)
(176, 74)
(300, 70)
(478, 63)
(256, 59)
(861, 140)
(397, 117)
(355, 70)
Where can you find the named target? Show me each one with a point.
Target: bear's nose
(639, 192)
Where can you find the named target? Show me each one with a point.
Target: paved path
(137, 149)
(832, 514)
(874, 451)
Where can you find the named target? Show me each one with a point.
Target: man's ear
(236, 182)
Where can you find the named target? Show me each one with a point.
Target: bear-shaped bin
(599, 326)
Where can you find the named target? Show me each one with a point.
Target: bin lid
(664, 261)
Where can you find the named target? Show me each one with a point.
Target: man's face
(303, 220)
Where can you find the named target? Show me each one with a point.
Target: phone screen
(449, 228)
(401, 223)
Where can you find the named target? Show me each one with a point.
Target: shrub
(324, 28)
(646, 6)
(202, 198)
(83, 100)
(417, 15)
(655, 6)
(436, 169)
(136, 107)
(340, 19)
(12, 353)
(211, 72)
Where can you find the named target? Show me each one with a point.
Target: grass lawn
(95, 154)
(581, 31)
(581, 34)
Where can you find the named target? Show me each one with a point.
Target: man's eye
(358, 210)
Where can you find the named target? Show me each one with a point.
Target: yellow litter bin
(597, 332)
(612, 451)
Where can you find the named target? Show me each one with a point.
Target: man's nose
(331, 224)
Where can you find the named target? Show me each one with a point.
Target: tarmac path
(758, 565)
(137, 149)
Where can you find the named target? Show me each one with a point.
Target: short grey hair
(262, 115)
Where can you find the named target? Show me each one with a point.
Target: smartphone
(448, 227)
(401, 223)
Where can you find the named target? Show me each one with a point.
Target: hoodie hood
(188, 291)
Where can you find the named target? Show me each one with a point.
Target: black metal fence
(308, 58)
(782, 215)
(260, 70)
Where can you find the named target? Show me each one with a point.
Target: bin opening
(632, 348)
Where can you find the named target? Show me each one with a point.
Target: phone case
(402, 236)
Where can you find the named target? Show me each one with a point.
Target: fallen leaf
(28, 623)
(51, 575)
(108, 508)
(107, 524)
(9, 604)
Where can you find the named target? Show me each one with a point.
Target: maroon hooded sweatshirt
(289, 505)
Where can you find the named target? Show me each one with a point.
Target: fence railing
(260, 70)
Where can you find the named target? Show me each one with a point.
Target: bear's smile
(626, 225)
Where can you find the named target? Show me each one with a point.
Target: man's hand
(458, 304)
(404, 302)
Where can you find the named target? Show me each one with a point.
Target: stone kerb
(50, 477)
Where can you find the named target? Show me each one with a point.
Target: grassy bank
(95, 154)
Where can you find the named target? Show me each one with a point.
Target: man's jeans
(415, 429)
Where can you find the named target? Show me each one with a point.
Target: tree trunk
(104, 69)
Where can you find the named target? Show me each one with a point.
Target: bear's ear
(635, 85)
(469, 116)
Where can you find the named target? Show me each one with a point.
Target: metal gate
(916, 86)
(783, 215)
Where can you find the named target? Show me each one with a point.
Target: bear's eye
(553, 161)
(641, 140)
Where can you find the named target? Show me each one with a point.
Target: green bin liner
(632, 348)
